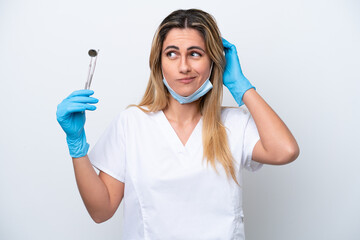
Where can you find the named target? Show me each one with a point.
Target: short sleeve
(251, 137)
(108, 154)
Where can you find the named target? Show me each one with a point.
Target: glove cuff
(241, 95)
(238, 89)
(78, 147)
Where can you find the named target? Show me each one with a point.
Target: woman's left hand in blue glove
(233, 77)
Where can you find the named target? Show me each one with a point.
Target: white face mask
(201, 91)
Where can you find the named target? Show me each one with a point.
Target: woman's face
(185, 62)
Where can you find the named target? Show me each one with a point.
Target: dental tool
(93, 54)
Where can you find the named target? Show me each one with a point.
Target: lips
(186, 80)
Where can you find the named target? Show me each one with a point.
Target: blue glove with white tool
(233, 77)
(71, 116)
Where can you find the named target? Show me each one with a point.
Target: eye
(171, 54)
(195, 54)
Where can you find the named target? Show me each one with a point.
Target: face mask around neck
(201, 91)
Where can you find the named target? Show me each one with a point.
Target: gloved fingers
(81, 99)
(76, 104)
(227, 45)
(231, 55)
(82, 92)
(79, 107)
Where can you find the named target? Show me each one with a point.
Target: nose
(184, 66)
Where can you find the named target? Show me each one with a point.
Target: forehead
(184, 38)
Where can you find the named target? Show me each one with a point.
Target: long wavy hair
(156, 97)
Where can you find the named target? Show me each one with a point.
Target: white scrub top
(170, 193)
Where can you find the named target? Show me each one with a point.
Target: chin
(186, 93)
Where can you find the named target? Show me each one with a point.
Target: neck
(182, 113)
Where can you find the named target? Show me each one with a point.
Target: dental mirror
(93, 57)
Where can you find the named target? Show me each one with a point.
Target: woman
(160, 149)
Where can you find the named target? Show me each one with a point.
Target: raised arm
(276, 145)
(102, 194)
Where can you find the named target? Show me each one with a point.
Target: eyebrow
(189, 48)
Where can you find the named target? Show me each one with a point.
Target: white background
(302, 56)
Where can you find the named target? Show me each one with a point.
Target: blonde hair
(156, 97)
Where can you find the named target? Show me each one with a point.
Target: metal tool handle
(93, 54)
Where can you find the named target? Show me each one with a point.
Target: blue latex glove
(233, 77)
(71, 116)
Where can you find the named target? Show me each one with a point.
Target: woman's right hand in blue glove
(71, 116)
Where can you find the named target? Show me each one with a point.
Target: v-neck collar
(174, 139)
